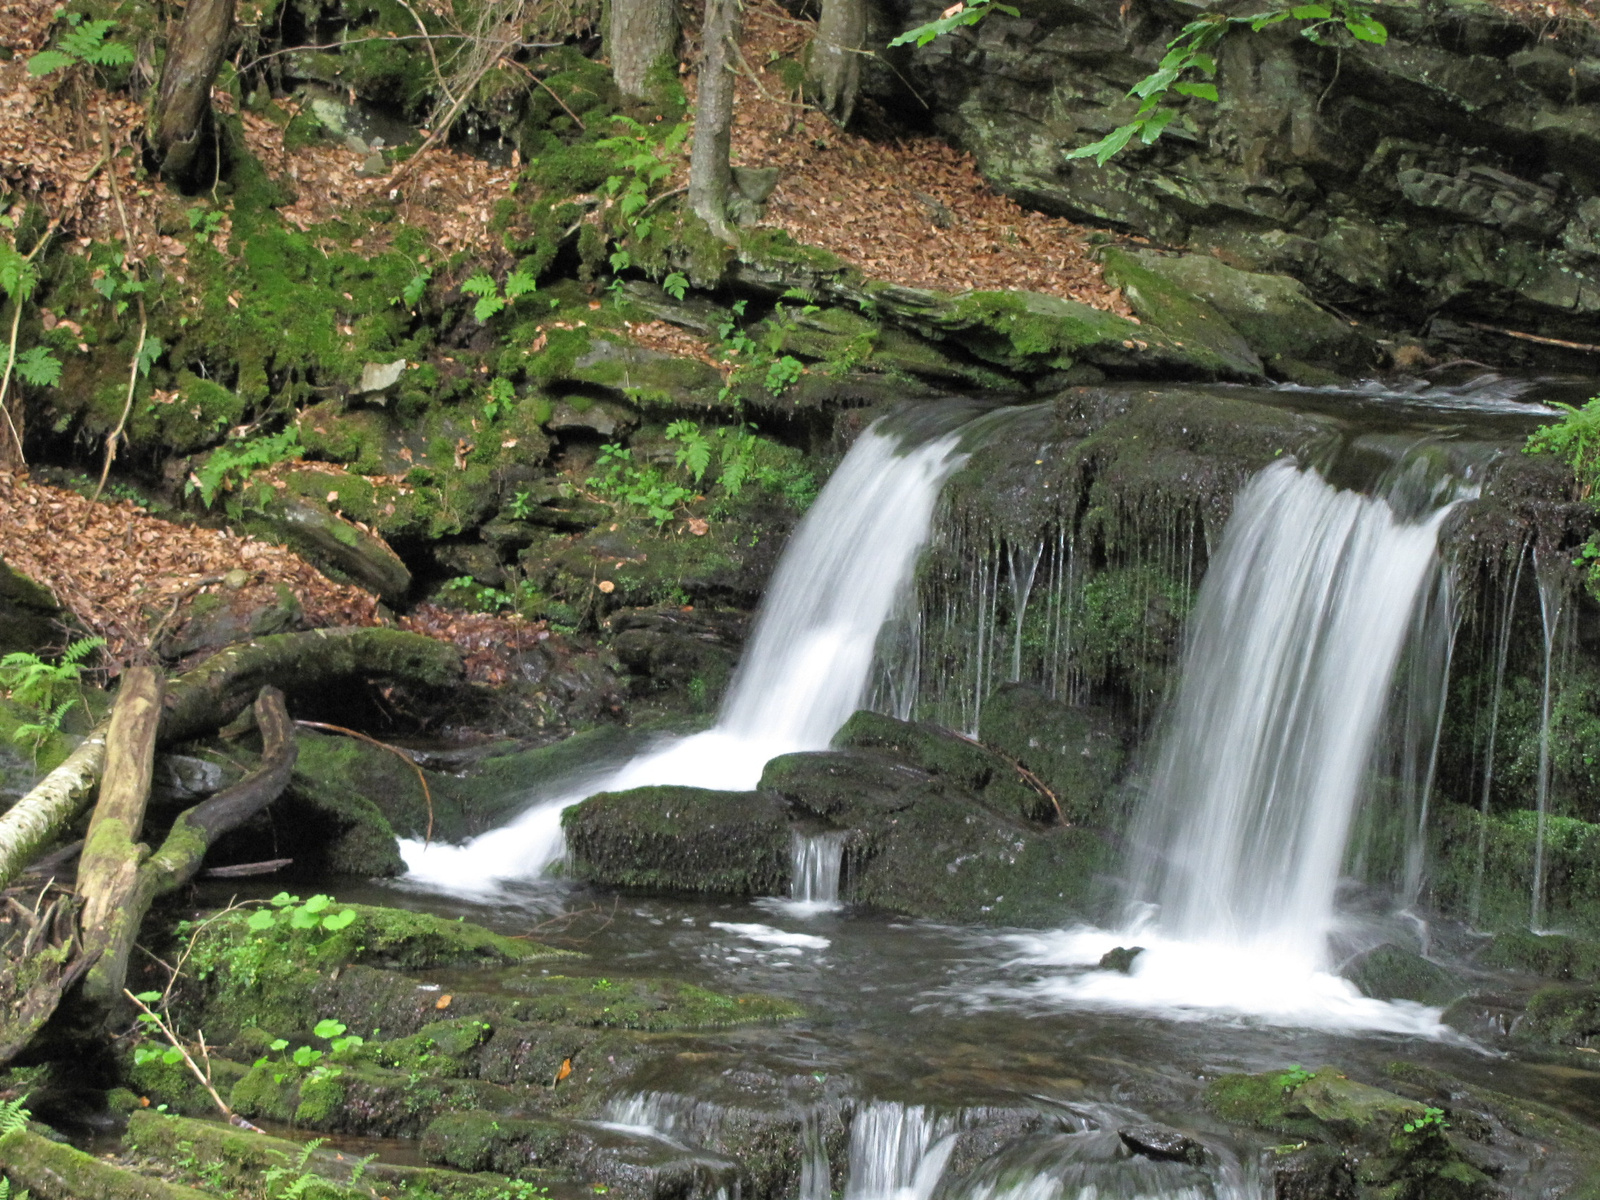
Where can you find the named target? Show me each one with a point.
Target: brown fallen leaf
(443, 1001)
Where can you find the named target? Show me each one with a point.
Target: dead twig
(427, 793)
(159, 1022)
(1585, 347)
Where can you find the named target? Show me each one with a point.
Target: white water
(803, 674)
(1294, 641)
(816, 861)
(898, 1151)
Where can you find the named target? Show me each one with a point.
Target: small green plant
(645, 157)
(1430, 1122)
(466, 592)
(521, 506)
(498, 398)
(286, 911)
(492, 297)
(694, 448)
(48, 690)
(675, 285)
(83, 42)
(1190, 64)
(411, 295)
(13, 1115)
(1294, 1077)
(292, 1182)
(116, 283)
(230, 465)
(150, 1024)
(619, 479)
(205, 222)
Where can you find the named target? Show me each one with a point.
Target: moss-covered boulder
(688, 651)
(1391, 972)
(1554, 955)
(1564, 1016)
(1078, 751)
(682, 839)
(1274, 314)
(1158, 299)
(969, 764)
(50, 1170)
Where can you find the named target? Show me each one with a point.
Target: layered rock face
(1455, 170)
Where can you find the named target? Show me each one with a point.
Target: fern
(694, 448)
(229, 466)
(84, 42)
(13, 1116)
(39, 367)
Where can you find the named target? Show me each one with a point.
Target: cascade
(816, 860)
(805, 671)
(1552, 605)
(898, 1151)
(1299, 627)
(1507, 604)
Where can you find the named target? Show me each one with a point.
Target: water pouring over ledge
(802, 675)
(1240, 838)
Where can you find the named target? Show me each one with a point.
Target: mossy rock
(681, 839)
(329, 825)
(50, 1170)
(1178, 311)
(995, 781)
(28, 614)
(1565, 1016)
(1296, 338)
(1554, 955)
(1077, 750)
(1391, 972)
(479, 1140)
(648, 379)
(236, 1160)
(1326, 1107)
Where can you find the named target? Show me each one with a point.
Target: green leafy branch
(84, 42)
(955, 17)
(229, 466)
(1190, 64)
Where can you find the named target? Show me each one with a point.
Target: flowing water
(1319, 643)
(804, 672)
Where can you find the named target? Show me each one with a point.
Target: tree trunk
(108, 870)
(836, 55)
(710, 175)
(183, 102)
(33, 822)
(642, 39)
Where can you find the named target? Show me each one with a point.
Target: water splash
(805, 671)
(1294, 642)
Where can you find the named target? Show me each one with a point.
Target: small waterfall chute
(805, 671)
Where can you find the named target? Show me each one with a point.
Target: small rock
(1119, 959)
(1391, 972)
(1157, 1141)
(178, 777)
(236, 579)
(379, 377)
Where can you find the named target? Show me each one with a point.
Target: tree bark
(223, 686)
(183, 102)
(642, 39)
(55, 802)
(710, 175)
(836, 56)
(108, 870)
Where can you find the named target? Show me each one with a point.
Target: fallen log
(223, 686)
(36, 820)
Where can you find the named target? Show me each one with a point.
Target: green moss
(1503, 900)
(1554, 955)
(485, 1141)
(50, 1168)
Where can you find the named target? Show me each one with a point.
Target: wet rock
(1554, 955)
(1159, 1142)
(1565, 1016)
(1178, 310)
(583, 413)
(1119, 958)
(1314, 1173)
(682, 839)
(648, 378)
(182, 778)
(1483, 1017)
(1391, 972)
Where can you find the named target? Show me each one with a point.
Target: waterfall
(1552, 604)
(805, 671)
(898, 1152)
(1502, 645)
(1287, 675)
(815, 863)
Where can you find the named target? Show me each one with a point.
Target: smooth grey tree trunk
(183, 101)
(836, 56)
(641, 39)
(710, 175)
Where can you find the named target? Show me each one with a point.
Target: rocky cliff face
(1451, 175)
